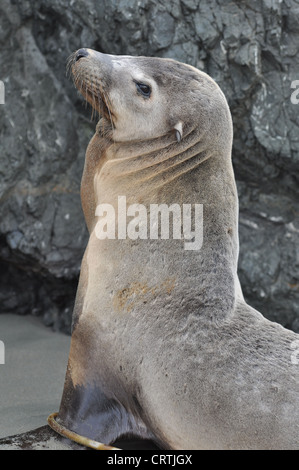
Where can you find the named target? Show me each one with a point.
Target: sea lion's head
(148, 97)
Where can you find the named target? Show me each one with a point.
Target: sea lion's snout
(89, 77)
(81, 53)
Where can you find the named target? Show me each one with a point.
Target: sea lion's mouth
(94, 96)
(97, 101)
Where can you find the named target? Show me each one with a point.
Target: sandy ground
(32, 378)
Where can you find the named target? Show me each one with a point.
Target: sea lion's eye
(143, 89)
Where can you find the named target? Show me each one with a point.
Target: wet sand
(32, 378)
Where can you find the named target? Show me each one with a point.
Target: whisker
(82, 83)
(92, 91)
(92, 101)
(108, 107)
(69, 64)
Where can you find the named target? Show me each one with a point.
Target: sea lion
(163, 345)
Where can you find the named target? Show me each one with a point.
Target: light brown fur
(192, 367)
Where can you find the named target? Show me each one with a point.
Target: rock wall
(250, 48)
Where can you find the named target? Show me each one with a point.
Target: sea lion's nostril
(81, 53)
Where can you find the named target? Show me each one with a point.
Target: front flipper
(87, 411)
(74, 437)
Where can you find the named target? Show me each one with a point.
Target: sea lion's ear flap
(179, 131)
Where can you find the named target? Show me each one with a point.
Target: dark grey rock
(250, 48)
